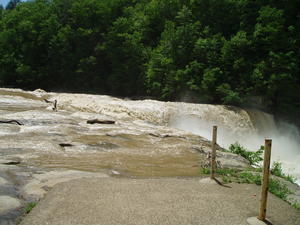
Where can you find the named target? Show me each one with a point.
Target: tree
(220, 51)
(12, 4)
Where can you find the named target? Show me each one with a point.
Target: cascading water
(285, 137)
(149, 138)
(248, 127)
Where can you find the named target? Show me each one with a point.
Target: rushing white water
(147, 139)
(248, 127)
(285, 137)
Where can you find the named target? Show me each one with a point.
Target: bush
(253, 157)
(296, 205)
(279, 189)
(249, 178)
(277, 171)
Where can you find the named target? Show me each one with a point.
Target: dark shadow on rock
(220, 183)
(12, 122)
(100, 121)
(65, 145)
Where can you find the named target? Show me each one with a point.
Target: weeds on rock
(252, 175)
(277, 171)
(29, 207)
(296, 205)
(253, 157)
(279, 189)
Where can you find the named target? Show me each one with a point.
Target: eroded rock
(226, 159)
(3, 181)
(10, 161)
(8, 203)
(41, 183)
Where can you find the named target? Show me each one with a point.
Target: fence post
(213, 153)
(265, 181)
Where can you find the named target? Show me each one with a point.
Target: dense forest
(235, 52)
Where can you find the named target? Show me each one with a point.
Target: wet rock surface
(128, 139)
(3, 181)
(8, 203)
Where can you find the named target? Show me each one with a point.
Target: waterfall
(257, 126)
(248, 127)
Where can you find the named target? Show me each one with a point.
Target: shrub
(277, 171)
(253, 157)
(249, 178)
(278, 189)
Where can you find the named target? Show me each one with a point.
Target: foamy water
(285, 137)
(248, 127)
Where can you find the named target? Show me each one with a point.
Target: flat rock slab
(37, 187)
(3, 181)
(12, 161)
(207, 180)
(169, 201)
(255, 221)
(8, 203)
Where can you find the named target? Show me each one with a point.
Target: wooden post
(265, 181)
(213, 153)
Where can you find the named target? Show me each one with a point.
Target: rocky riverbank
(155, 201)
(42, 144)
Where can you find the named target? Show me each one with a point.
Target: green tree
(221, 51)
(12, 4)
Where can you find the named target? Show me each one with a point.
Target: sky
(4, 2)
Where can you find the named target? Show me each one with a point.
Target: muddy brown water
(123, 147)
(63, 140)
(148, 140)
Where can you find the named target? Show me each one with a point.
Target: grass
(29, 207)
(296, 205)
(277, 171)
(253, 176)
(253, 157)
(279, 189)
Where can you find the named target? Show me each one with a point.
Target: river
(147, 138)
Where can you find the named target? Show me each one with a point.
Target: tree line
(235, 52)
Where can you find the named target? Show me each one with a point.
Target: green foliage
(253, 157)
(279, 189)
(220, 171)
(224, 52)
(253, 176)
(249, 177)
(277, 171)
(12, 4)
(205, 171)
(29, 207)
(275, 186)
(296, 205)
(229, 96)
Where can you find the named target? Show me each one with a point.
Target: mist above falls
(285, 136)
(248, 127)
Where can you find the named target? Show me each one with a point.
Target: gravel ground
(165, 201)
